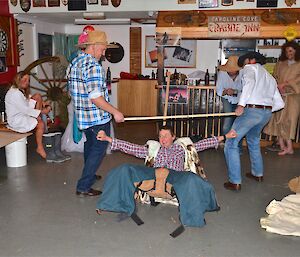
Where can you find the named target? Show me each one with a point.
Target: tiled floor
(40, 214)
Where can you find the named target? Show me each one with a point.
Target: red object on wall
(6, 77)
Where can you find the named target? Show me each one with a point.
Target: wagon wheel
(47, 77)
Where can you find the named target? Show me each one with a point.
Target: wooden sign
(233, 26)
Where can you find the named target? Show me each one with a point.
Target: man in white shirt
(260, 97)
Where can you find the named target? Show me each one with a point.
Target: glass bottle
(206, 78)
(108, 80)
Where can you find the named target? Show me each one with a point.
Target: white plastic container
(16, 153)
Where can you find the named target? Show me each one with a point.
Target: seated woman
(24, 111)
(120, 184)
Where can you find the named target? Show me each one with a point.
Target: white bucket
(16, 153)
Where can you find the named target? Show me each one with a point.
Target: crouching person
(195, 194)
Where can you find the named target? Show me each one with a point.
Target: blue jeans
(94, 152)
(228, 121)
(249, 124)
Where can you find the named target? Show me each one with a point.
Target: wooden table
(8, 136)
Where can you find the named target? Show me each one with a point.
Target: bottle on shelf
(152, 75)
(166, 76)
(206, 78)
(108, 80)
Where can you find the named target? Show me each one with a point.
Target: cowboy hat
(95, 37)
(231, 64)
(252, 55)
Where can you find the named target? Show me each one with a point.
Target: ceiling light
(102, 22)
(94, 15)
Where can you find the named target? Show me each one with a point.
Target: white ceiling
(69, 18)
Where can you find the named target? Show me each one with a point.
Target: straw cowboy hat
(294, 185)
(231, 64)
(95, 37)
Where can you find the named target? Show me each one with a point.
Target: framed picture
(178, 94)
(39, 3)
(2, 64)
(104, 2)
(92, 1)
(45, 45)
(53, 3)
(186, 1)
(208, 3)
(183, 56)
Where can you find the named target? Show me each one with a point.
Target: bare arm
(102, 104)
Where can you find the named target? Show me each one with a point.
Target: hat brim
(84, 45)
(228, 69)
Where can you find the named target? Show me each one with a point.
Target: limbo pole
(185, 116)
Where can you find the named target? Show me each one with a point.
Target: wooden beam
(194, 26)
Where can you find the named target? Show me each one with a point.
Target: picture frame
(186, 1)
(53, 3)
(90, 2)
(208, 3)
(3, 67)
(178, 94)
(38, 3)
(104, 2)
(45, 44)
(182, 56)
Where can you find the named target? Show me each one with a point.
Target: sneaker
(91, 192)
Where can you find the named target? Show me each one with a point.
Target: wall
(142, 5)
(207, 50)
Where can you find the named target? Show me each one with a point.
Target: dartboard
(3, 41)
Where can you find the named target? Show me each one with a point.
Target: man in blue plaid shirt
(93, 111)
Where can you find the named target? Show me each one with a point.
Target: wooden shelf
(269, 47)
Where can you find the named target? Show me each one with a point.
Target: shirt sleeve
(206, 143)
(139, 151)
(95, 83)
(220, 84)
(17, 100)
(248, 81)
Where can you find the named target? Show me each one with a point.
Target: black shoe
(98, 177)
(234, 187)
(91, 192)
(257, 178)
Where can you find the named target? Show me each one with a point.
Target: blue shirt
(87, 81)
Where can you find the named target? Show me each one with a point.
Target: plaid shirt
(86, 81)
(171, 158)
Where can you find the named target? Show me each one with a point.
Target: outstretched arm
(213, 141)
(139, 151)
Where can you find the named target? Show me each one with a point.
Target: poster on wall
(53, 3)
(208, 3)
(183, 56)
(39, 3)
(178, 94)
(2, 64)
(45, 45)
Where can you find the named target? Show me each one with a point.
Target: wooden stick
(186, 116)
(167, 96)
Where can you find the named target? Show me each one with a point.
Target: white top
(260, 87)
(225, 81)
(21, 115)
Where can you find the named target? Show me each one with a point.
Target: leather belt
(258, 106)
